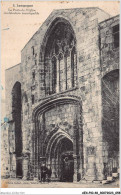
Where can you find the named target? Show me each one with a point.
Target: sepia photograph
(60, 94)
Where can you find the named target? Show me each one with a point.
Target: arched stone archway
(54, 127)
(54, 137)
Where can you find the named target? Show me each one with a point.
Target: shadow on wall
(110, 121)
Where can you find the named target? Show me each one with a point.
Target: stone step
(105, 181)
(109, 178)
(115, 175)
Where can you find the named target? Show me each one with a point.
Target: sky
(16, 30)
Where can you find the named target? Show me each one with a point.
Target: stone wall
(109, 53)
(5, 158)
(62, 115)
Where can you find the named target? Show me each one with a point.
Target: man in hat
(43, 172)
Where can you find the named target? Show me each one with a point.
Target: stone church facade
(63, 98)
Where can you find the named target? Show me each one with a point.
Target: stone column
(91, 164)
(75, 168)
(75, 129)
(80, 140)
(69, 71)
(53, 169)
(13, 166)
(56, 167)
(48, 161)
(75, 69)
(61, 73)
(25, 166)
(58, 72)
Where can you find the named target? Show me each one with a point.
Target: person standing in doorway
(43, 172)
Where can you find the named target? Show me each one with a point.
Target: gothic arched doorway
(58, 138)
(59, 155)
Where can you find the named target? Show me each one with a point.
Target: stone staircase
(111, 172)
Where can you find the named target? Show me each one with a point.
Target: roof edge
(110, 18)
(56, 10)
(12, 67)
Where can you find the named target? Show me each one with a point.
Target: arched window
(61, 71)
(67, 64)
(54, 74)
(73, 66)
(60, 55)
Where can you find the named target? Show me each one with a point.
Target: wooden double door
(67, 167)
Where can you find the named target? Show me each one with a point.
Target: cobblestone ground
(16, 183)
